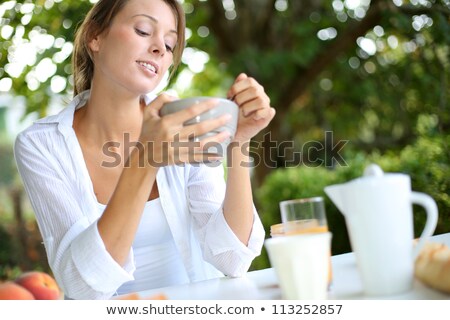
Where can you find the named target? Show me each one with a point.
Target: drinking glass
(302, 216)
(301, 264)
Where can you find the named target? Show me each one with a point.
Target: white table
(263, 284)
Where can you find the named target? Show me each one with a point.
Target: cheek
(122, 38)
(168, 61)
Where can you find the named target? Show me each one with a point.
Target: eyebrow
(154, 20)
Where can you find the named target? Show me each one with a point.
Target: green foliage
(5, 246)
(8, 172)
(57, 20)
(371, 99)
(290, 183)
(201, 86)
(427, 162)
(303, 182)
(8, 256)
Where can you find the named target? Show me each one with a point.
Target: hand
(166, 140)
(254, 104)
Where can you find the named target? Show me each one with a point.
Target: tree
(363, 69)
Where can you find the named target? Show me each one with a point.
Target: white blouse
(56, 179)
(158, 262)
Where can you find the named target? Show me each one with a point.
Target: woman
(134, 227)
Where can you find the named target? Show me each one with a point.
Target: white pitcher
(378, 213)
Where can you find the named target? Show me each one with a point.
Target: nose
(157, 45)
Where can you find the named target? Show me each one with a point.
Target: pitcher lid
(373, 170)
(374, 173)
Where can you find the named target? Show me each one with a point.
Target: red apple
(12, 291)
(40, 284)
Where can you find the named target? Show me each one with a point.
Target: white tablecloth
(263, 284)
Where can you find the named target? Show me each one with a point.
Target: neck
(109, 117)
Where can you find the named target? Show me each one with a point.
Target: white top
(158, 262)
(56, 179)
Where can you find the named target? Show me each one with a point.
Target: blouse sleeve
(220, 246)
(76, 253)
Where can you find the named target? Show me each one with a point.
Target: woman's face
(137, 50)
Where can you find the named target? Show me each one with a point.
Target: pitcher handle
(432, 217)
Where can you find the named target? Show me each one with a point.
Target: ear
(94, 44)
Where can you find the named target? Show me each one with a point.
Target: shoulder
(37, 128)
(45, 139)
(48, 131)
(36, 136)
(49, 148)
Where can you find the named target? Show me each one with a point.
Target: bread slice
(432, 266)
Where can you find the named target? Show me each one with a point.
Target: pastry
(432, 266)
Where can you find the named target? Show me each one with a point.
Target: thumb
(240, 77)
(160, 100)
(231, 93)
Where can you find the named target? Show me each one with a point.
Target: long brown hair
(98, 20)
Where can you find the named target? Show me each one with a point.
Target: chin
(140, 90)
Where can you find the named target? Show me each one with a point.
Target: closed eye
(141, 33)
(145, 34)
(169, 48)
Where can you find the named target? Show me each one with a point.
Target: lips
(150, 66)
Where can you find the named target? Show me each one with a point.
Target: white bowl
(224, 106)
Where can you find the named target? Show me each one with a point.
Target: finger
(160, 100)
(240, 86)
(240, 77)
(214, 139)
(258, 103)
(203, 127)
(251, 94)
(213, 147)
(250, 107)
(207, 150)
(264, 114)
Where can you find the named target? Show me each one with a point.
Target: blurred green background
(374, 73)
